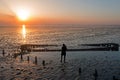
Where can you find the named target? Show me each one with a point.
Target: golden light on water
(24, 31)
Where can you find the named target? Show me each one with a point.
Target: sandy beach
(106, 63)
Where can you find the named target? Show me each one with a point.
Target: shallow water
(106, 63)
(72, 36)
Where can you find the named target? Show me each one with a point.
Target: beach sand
(106, 63)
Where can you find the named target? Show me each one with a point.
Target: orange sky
(60, 12)
(7, 19)
(13, 20)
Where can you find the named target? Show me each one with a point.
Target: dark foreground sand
(106, 63)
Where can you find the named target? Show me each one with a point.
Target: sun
(23, 14)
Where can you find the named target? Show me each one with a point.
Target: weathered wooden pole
(21, 56)
(43, 62)
(3, 52)
(28, 59)
(96, 74)
(36, 60)
(79, 71)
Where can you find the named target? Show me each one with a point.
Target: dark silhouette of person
(63, 52)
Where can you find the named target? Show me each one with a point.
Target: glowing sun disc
(23, 14)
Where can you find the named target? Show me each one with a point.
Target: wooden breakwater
(107, 46)
(97, 47)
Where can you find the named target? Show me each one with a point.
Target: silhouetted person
(3, 52)
(63, 52)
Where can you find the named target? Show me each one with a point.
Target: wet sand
(106, 63)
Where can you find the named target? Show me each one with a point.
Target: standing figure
(63, 52)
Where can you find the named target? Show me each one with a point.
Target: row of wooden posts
(96, 74)
(43, 63)
(35, 60)
(80, 70)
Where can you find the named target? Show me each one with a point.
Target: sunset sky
(60, 11)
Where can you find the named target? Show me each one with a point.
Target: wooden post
(36, 60)
(21, 56)
(114, 78)
(28, 59)
(96, 74)
(43, 62)
(3, 52)
(79, 71)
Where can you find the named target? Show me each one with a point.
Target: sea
(107, 63)
(11, 37)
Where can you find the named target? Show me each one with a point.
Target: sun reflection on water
(24, 32)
